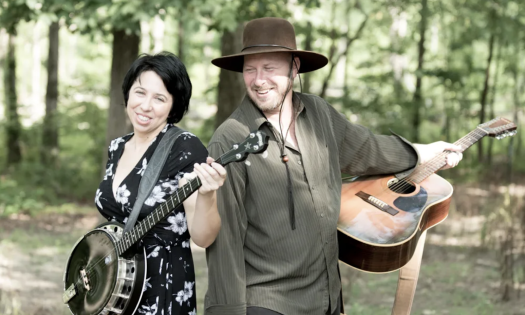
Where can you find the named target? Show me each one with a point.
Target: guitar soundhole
(401, 186)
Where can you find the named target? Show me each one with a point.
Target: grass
(450, 282)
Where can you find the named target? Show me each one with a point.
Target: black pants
(253, 310)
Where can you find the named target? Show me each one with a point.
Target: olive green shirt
(257, 259)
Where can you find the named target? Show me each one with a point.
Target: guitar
(382, 217)
(105, 274)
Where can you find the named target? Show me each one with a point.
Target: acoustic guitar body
(378, 229)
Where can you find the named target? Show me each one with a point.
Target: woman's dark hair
(172, 72)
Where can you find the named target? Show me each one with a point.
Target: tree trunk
(484, 94)
(346, 90)
(307, 47)
(145, 37)
(13, 127)
(50, 128)
(331, 52)
(398, 31)
(507, 266)
(493, 99)
(181, 39)
(35, 71)
(158, 34)
(231, 84)
(418, 98)
(125, 51)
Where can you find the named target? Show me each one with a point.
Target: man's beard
(268, 106)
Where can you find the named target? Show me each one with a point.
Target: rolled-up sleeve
(363, 153)
(226, 267)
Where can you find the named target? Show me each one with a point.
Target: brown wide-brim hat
(268, 35)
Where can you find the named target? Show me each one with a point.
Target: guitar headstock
(255, 143)
(499, 128)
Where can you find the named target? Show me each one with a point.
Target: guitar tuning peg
(498, 137)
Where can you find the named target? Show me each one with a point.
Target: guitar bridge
(376, 202)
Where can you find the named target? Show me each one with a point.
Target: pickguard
(413, 203)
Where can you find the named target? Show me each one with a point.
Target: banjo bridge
(377, 203)
(85, 280)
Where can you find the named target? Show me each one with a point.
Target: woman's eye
(140, 92)
(160, 99)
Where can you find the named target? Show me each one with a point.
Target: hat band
(266, 45)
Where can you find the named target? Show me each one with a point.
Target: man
(277, 252)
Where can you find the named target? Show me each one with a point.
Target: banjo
(105, 273)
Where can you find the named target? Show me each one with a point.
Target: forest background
(428, 70)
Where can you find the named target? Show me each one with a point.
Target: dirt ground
(458, 276)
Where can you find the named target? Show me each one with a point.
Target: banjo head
(93, 268)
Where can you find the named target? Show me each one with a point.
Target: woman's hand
(201, 209)
(211, 174)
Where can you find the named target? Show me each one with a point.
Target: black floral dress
(170, 287)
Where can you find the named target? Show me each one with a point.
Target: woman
(157, 91)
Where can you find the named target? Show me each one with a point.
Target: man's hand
(429, 151)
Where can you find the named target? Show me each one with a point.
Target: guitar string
(129, 237)
(90, 268)
(436, 162)
(130, 234)
(403, 185)
(219, 160)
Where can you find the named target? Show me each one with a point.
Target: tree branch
(349, 40)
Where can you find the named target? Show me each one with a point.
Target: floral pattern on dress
(156, 196)
(170, 268)
(122, 195)
(143, 168)
(178, 223)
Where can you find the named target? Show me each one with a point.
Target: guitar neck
(162, 211)
(425, 170)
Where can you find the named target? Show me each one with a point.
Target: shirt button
(322, 215)
(299, 162)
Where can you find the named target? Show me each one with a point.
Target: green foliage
(15, 198)
(75, 177)
(227, 14)
(14, 11)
